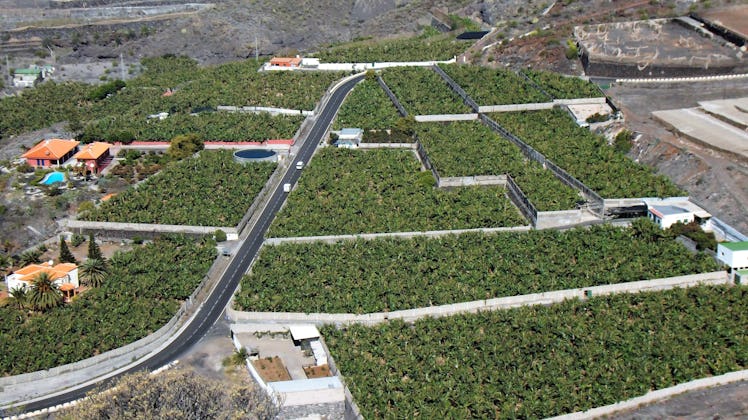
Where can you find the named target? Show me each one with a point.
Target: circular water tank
(255, 155)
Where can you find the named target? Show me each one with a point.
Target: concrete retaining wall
(654, 396)
(114, 230)
(515, 107)
(446, 117)
(387, 146)
(581, 101)
(264, 109)
(405, 235)
(466, 181)
(552, 219)
(685, 79)
(410, 315)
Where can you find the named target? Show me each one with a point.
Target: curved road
(210, 311)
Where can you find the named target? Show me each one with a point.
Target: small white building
(64, 275)
(734, 255)
(23, 78)
(349, 138)
(670, 211)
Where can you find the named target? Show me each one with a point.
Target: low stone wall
(446, 117)
(115, 230)
(581, 101)
(466, 181)
(546, 298)
(515, 107)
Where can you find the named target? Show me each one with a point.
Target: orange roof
(28, 273)
(108, 197)
(289, 61)
(51, 149)
(67, 286)
(92, 151)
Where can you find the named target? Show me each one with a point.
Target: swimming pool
(53, 177)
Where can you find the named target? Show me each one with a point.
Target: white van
(299, 164)
(286, 187)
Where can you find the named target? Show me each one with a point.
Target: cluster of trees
(470, 148)
(367, 107)
(423, 92)
(564, 87)
(543, 361)
(426, 47)
(585, 155)
(391, 274)
(140, 291)
(487, 86)
(349, 192)
(209, 190)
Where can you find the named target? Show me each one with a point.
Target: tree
(19, 296)
(44, 293)
(94, 253)
(176, 393)
(65, 255)
(184, 146)
(220, 235)
(5, 262)
(32, 256)
(94, 271)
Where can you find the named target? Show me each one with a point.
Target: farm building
(349, 138)
(671, 211)
(285, 61)
(64, 275)
(51, 152)
(23, 78)
(735, 256)
(94, 157)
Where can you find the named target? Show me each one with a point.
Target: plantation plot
(140, 293)
(209, 190)
(563, 87)
(423, 92)
(393, 274)
(367, 107)
(543, 361)
(585, 155)
(470, 149)
(494, 86)
(350, 192)
(420, 48)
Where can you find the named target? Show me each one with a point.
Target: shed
(285, 61)
(24, 78)
(349, 138)
(733, 254)
(668, 212)
(302, 332)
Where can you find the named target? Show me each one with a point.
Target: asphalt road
(214, 305)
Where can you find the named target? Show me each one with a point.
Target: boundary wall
(400, 109)
(116, 230)
(467, 181)
(546, 298)
(412, 146)
(264, 109)
(446, 117)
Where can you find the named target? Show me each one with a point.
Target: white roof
(303, 331)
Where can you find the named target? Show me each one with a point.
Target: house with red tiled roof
(94, 156)
(64, 275)
(51, 152)
(285, 61)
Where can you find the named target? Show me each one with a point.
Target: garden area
(394, 274)
(140, 293)
(542, 361)
(585, 155)
(209, 190)
(471, 149)
(487, 86)
(423, 92)
(350, 192)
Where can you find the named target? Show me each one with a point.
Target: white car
(286, 187)
(299, 164)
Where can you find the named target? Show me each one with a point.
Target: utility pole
(257, 53)
(121, 67)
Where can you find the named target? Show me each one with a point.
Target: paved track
(214, 305)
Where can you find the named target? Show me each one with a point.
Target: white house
(670, 211)
(349, 138)
(64, 275)
(734, 255)
(23, 78)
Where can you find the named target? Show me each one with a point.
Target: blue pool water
(53, 177)
(255, 155)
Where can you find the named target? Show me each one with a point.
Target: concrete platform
(707, 130)
(733, 111)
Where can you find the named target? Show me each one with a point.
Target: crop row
(140, 294)
(350, 192)
(487, 86)
(393, 274)
(585, 155)
(420, 48)
(367, 107)
(423, 92)
(470, 148)
(543, 361)
(209, 190)
(223, 126)
(564, 87)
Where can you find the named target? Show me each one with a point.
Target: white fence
(466, 181)
(446, 117)
(546, 298)
(264, 109)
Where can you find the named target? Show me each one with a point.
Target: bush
(106, 89)
(220, 235)
(623, 141)
(77, 239)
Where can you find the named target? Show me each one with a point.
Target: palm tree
(5, 263)
(94, 271)
(30, 257)
(45, 294)
(19, 296)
